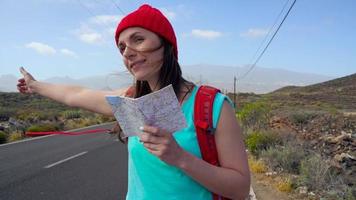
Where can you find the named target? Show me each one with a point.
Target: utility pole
(235, 92)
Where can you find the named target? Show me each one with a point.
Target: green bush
(71, 114)
(2, 137)
(350, 193)
(302, 118)
(254, 115)
(43, 128)
(258, 141)
(33, 116)
(315, 173)
(6, 113)
(287, 157)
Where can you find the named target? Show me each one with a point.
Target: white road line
(25, 140)
(64, 160)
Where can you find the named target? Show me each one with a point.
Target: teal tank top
(149, 178)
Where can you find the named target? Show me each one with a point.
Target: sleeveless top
(149, 178)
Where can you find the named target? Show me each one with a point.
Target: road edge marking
(41, 137)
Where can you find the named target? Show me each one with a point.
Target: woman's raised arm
(75, 96)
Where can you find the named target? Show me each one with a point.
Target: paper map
(160, 108)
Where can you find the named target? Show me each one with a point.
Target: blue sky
(75, 37)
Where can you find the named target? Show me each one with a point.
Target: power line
(104, 6)
(264, 50)
(92, 13)
(117, 6)
(269, 31)
(86, 8)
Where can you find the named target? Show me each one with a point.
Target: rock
(351, 157)
(314, 142)
(302, 190)
(338, 157)
(270, 173)
(311, 194)
(340, 138)
(343, 156)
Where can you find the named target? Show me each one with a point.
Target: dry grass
(284, 185)
(257, 166)
(15, 136)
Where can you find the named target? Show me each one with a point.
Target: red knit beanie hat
(151, 19)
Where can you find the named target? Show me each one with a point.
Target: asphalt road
(90, 167)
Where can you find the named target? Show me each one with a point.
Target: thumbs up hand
(23, 84)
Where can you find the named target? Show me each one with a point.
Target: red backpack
(203, 121)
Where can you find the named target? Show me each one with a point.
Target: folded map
(160, 108)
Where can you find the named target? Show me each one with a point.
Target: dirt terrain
(327, 125)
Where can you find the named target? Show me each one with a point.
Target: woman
(163, 165)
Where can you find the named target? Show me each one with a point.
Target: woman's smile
(136, 64)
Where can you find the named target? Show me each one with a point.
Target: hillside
(20, 113)
(19, 106)
(338, 93)
(320, 117)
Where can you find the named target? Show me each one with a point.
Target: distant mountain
(260, 80)
(8, 83)
(102, 82)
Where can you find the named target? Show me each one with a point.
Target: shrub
(258, 141)
(301, 118)
(257, 166)
(344, 192)
(285, 185)
(88, 122)
(254, 115)
(71, 124)
(350, 193)
(79, 123)
(15, 136)
(71, 114)
(2, 137)
(103, 118)
(6, 113)
(287, 158)
(315, 173)
(43, 127)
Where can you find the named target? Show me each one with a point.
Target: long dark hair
(170, 73)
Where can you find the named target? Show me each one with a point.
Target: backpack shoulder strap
(203, 121)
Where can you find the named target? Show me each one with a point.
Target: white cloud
(254, 33)
(106, 19)
(206, 34)
(68, 52)
(45, 49)
(110, 31)
(98, 30)
(41, 48)
(169, 14)
(91, 38)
